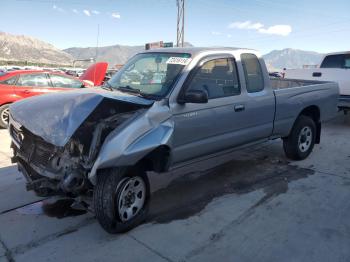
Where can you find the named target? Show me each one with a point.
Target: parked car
(100, 143)
(334, 67)
(19, 84)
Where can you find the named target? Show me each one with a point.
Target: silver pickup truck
(165, 108)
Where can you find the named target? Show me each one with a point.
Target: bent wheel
(121, 199)
(130, 197)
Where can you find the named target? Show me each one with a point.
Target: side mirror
(195, 96)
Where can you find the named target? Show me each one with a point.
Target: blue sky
(321, 26)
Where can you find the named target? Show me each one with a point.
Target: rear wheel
(300, 142)
(4, 116)
(121, 199)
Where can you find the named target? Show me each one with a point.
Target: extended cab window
(35, 80)
(336, 61)
(66, 82)
(253, 74)
(218, 77)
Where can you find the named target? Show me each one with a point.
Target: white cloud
(59, 9)
(75, 11)
(246, 25)
(116, 15)
(87, 12)
(95, 12)
(229, 35)
(216, 33)
(282, 30)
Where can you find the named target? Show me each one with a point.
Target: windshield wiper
(107, 86)
(129, 89)
(136, 91)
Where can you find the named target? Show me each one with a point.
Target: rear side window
(34, 80)
(9, 81)
(218, 77)
(66, 82)
(253, 74)
(336, 61)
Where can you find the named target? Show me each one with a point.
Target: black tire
(294, 148)
(107, 194)
(3, 109)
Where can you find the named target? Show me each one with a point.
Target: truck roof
(195, 50)
(338, 53)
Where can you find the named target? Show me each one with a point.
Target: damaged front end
(63, 169)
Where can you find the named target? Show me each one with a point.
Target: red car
(21, 84)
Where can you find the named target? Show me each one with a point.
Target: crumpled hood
(55, 117)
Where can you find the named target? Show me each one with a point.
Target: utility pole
(180, 22)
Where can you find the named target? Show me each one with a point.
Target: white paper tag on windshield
(178, 60)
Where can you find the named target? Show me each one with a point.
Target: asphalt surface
(257, 207)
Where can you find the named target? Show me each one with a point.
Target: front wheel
(300, 142)
(4, 116)
(121, 199)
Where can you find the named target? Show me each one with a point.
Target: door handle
(239, 108)
(316, 74)
(26, 91)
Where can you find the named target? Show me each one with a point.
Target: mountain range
(26, 48)
(291, 58)
(116, 54)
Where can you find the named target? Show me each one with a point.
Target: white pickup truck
(334, 67)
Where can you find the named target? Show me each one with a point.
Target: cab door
(202, 129)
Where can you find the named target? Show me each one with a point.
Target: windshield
(150, 74)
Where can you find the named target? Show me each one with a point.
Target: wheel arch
(6, 103)
(150, 151)
(158, 160)
(314, 113)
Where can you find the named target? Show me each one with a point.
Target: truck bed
(294, 95)
(279, 83)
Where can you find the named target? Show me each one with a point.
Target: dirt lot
(257, 207)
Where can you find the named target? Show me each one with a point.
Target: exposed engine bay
(54, 169)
